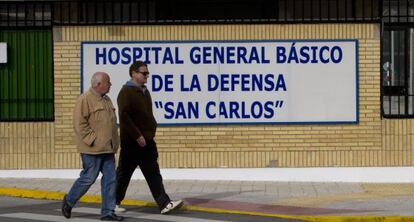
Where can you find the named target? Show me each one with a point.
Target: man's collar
(96, 93)
(139, 86)
(135, 83)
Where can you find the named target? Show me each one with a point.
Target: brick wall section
(264, 145)
(26, 145)
(373, 142)
(67, 89)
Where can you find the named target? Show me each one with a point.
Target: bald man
(94, 122)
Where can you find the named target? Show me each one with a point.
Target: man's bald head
(100, 82)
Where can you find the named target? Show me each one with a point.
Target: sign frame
(355, 41)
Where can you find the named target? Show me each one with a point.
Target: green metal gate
(26, 80)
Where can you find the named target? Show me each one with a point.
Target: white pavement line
(44, 217)
(313, 174)
(158, 217)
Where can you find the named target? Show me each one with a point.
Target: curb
(54, 195)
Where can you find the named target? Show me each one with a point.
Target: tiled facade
(372, 142)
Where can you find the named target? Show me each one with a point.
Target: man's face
(141, 75)
(104, 86)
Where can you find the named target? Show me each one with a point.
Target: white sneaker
(172, 205)
(119, 209)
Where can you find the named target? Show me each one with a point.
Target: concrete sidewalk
(312, 201)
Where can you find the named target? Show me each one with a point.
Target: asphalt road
(22, 209)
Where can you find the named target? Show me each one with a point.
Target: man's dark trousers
(132, 155)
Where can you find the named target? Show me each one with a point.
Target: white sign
(3, 52)
(237, 82)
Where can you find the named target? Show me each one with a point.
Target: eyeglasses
(143, 73)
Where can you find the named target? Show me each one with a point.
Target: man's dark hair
(135, 66)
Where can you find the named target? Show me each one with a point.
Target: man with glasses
(138, 148)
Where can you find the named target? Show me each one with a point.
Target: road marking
(130, 214)
(44, 217)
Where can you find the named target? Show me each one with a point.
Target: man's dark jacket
(135, 114)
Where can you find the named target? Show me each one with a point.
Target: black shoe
(66, 209)
(112, 217)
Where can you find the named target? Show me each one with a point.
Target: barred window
(25, 14)
(214, 11)
(397, 82)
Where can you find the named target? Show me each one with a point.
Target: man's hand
(141, 141)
